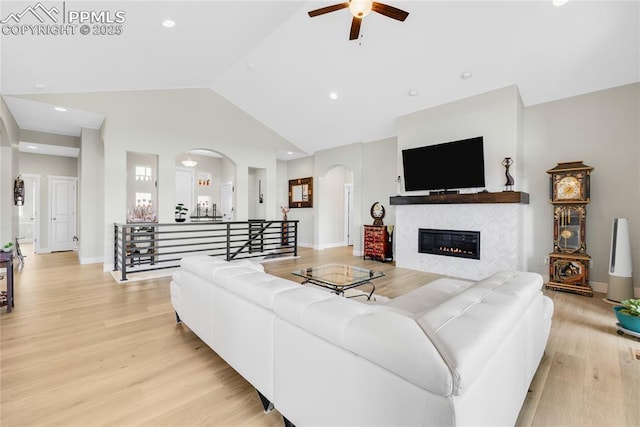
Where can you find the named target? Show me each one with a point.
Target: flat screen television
(452, 165)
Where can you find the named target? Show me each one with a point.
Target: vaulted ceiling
(279, 65)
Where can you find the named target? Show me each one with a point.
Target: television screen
(452, 165)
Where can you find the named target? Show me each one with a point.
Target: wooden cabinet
(378, 242)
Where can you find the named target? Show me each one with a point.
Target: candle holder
(507, 162)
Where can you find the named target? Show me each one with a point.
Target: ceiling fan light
(360, 8)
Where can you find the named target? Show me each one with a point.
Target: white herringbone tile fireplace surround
(500, 226)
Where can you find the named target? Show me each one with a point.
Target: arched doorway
(335, 208)
(204, 185)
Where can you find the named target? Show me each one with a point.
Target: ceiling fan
(359, 9)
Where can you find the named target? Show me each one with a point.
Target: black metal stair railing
(152, 246)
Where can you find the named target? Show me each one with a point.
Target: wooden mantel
(449, 199)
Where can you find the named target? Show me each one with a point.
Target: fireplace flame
(454, 250)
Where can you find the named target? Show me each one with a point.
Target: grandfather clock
(569, 195)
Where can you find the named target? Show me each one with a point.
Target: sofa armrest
(470, 327)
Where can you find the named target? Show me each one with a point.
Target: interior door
(62, 206)
(184, 189)
(226, 201)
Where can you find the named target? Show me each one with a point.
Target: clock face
(377, 210)
(377, 213)
(569, 188)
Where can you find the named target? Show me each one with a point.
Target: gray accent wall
(601, 129)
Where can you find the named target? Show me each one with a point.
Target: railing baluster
(229, 241)
(123, 252)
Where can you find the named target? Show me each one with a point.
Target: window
(143, 173)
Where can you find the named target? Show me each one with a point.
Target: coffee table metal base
(341, 290)
(340, 278)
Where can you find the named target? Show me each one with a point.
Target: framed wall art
(301, 193)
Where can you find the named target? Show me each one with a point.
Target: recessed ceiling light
(60, 109)
(558, 3)
(168, 23)
(290, 153)
(333, 96)
(413, 93)
(466, 75)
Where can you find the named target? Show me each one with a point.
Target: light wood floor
(81, 350)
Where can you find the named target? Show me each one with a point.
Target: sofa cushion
(258, 287)
(204, 265)
(428, 296)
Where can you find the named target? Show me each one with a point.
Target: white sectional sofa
(449, 353)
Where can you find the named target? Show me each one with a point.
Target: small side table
(6, 260)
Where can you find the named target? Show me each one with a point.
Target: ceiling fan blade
(389, 11)
(328, 9)
(355, 28)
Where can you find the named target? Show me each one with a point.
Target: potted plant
(8, 247)
(628, 314)
(181, 211)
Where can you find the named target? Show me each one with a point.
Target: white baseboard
(306, 245)
(107, 267)
(332, 245)
(44, 251)
(91, 260)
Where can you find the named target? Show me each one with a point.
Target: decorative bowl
(181, 219)
(631, 323)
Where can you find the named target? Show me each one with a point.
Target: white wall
(379, 174)
(9, 138)
(349, 156)
(256, 181)
(282, 187)
(91, 197)
(303, 168)
(166, 123)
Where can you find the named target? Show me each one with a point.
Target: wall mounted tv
(452, 165)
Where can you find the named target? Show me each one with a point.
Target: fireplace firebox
(455, 243)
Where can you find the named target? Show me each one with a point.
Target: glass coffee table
(339, 277)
